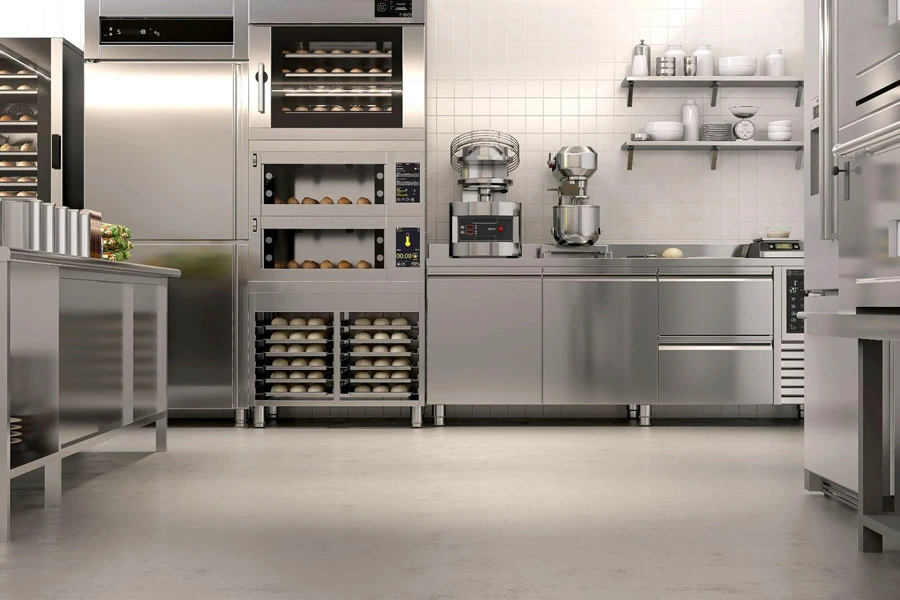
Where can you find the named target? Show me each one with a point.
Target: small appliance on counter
(775, 248)
(484, 223)
(575, 221)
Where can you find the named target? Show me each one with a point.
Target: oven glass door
(337, 77)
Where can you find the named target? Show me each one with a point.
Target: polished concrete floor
(475, 513)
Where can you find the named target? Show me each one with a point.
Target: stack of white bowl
(737, 66)
(781, 131)
(665, 131)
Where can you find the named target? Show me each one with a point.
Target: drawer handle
(728, 347)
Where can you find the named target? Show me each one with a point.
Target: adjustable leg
(162, 429)
(272, 412)
(259, 417)
(632, 411)
(644, 420)
(53, 484)
(416, 418)
(240, 418)
(439, 415)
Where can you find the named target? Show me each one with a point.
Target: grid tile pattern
(549, 75)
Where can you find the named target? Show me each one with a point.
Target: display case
(42, 120)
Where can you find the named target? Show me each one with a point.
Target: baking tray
(17, 153)
(347, 75)
(377, 395)
(291, 368)
(379, 342)
(17, 169)
(380, 354)
(296, 354)
(17, 123)
(334, 94)
(406, 368)
(295, 327)
(344, 55)
(297, 381)
(297, 342)
(18, 92)
(17, 184)
(377, 328)
(379, 381)
(300, 395)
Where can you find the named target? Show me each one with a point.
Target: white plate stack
(716, 132)
(781, 131)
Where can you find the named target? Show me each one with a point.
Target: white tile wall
(548, 72)
(43, 18)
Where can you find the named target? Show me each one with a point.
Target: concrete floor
(474, 513)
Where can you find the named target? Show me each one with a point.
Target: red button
(500, 229)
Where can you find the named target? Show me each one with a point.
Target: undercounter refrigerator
(166, 123)
(851, 229)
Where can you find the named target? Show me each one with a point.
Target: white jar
(776, 65)
(690, 116)
(678, 53)
(706, 61)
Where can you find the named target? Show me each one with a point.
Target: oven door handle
(877, 142)
(261, 86)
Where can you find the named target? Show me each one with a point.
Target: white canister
(639, 67)
(48, 227)
(690, 116)
(72, 233)
(677, 52)
(706, 61)
(776, 65)
(61, 224)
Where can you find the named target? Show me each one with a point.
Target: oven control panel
(394, 8)
(181, 31)
(484, 229)
(409, 247)
(409, 183)
(795, 297)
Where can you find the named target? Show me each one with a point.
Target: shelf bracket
(799, 102)
(714, 158)
(715, 93)
(798, 159)
(631, 158)
(630, 93)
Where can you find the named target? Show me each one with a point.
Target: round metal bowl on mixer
(576, 224)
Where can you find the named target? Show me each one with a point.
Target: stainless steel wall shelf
(714, 83)
(713, 148)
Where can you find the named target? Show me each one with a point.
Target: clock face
(744, 130)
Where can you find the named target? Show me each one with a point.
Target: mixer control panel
(484, 229)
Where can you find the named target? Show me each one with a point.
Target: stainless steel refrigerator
(166, 136)
(847, 217)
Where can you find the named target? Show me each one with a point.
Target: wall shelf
(714, 83)
(713, 148)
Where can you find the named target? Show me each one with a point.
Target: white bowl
(737, 71)
(740, 111)
(778, 232)
(781, 123)
(666, 136)
(780, 129)
(780, 137)
(663, 126)
(737, 61)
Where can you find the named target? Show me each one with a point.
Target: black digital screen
(182, 31)
(394, 8)
(409, 178)
(795, 300)
(409, 247)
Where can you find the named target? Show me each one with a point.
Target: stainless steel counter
(83, 355)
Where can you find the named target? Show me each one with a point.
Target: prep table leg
(240, 418)
(272, 412)
(439, 415)
(53, 484)
(259, 417)
(4, 508)
(644, 415)
(162, 430)
(416, 419)
(632, 411)
(871, 399)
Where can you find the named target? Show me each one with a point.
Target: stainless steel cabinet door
(720, 306)
(600, 340)
(484, 340)
(160, 148)
(716, 374)
(202, 334)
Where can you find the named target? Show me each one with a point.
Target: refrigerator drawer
(716, 374)
(721, 306)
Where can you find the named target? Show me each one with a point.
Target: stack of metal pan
(716, 132)
(15, 430)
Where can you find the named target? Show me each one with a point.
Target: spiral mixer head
(572, 167)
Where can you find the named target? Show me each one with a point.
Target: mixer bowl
(576, 225)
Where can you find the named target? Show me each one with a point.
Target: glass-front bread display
(379, 355)
(322, 249)
(19, 113)
(323, 185)
(294, 355)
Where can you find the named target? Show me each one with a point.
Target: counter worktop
(85, 264)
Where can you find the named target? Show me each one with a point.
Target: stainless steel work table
(83, 355)
(871, 330)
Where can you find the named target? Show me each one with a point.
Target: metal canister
(21, 223)
(690, 66)
(48, 227)
(72, 235)
(643, 50)
(665, 66)
(61, 225)
(84, 233)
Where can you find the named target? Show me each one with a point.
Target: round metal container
(84, 234)
(61, 225)
(72, 233)
(48, 227)
(21, 223)
(576, 225)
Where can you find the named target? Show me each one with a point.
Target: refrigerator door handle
(827, 104)
(261, 86)
(876, 142)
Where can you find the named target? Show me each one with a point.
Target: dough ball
(356, 70)
(363, 362)
(277, 348)
(379, 349)
(280, 362)
(400, 375)
(326, 200)
(381, 335)
(399, 335)
(315, 348)
(382, 321)
(382, 375)
(673, 253)
(356, 52)
(338, 70)
(399, 321)
(356, 109)
(293, 200)
(316, 389)
(381, 389)
(309, 264)
(364, 200)
(320, 70)
(338, 108)
(345, 200)
(279, 335)
(297, 375)
(374, 52)
(399, 389)
(299, 362)
(316, 335)
(285, 70)
(295, 348)
(337, 52)
(298, 389)
(278, 375)
(301, 109)
(362, 350)
(317, 362)
(27, 148)
(363, 321)
(382, 362)
(6, 118)
(293, 264)
(320, 52)
(362, 375)
(375, 109)
(363, 265)
(362, 389)
(317, 322)
(345, 265)
(400, 362)
(279, 388)
(316, 375)
(297, 335)
(326, 264)
(320, 108)
(298, 322)
(397, 349)
(362, 335)
(277, 321)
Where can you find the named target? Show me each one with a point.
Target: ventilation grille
(792, 373)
